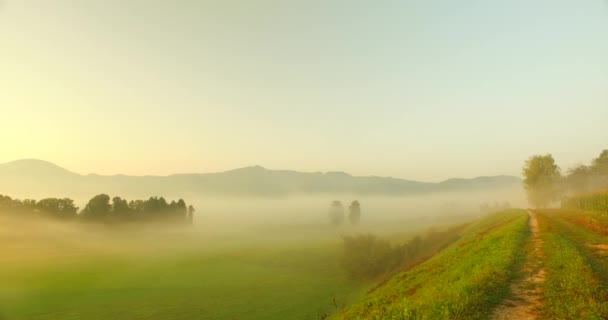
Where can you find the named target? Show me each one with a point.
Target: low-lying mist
(377, 212)
(235, 249)
(249, 222)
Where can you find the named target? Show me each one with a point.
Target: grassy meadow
(72, 270)
(264, 260)
(99, 274)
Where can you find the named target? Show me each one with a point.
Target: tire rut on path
(526, 292)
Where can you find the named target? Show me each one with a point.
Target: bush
(368, 256)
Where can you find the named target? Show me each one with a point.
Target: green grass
(573, 288)
(463, 282)
(295, 282)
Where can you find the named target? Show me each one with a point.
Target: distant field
(263, 284)
(76, 271)
(51, 274)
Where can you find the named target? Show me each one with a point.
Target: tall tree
(190, 213)
(542, 180)
(181, 211)
(336, 213)
(354, 213)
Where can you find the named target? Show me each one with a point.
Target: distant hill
(36, 178)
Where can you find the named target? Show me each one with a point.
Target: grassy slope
(268, 283)
(574, 284)
(463, 282)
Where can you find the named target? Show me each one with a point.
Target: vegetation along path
(525, 299)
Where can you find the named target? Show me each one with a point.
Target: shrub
(368, 256)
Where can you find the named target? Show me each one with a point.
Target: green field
(214, 277)
(65, 271)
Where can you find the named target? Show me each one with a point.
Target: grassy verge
(572, 288)
(465, 281)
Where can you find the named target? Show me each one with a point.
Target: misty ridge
(37, 178)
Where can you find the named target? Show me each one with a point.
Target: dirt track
(526, 293)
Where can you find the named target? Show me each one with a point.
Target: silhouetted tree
(30, 204)
(180, 210)
(156, 206)
(336, 213)
(136, 206)
(354, 215)
(8, 204)
(190, 213)
(57, 208)
(120, 208)
(98, 207)
(162, 205)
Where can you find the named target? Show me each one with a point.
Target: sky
(424, 90)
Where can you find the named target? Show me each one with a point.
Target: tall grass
(597, 202)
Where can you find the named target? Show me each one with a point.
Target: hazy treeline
(101, 208)
(487, 208)
(369, 256)
(545, 184)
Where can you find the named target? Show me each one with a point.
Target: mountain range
(37, 179)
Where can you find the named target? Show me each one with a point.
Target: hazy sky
(415, 89)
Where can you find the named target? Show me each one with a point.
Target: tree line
(102, 208)
(545, 184)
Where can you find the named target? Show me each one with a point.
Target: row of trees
(545, 183)
(336, 213)
(102, 208)
(52, 207)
